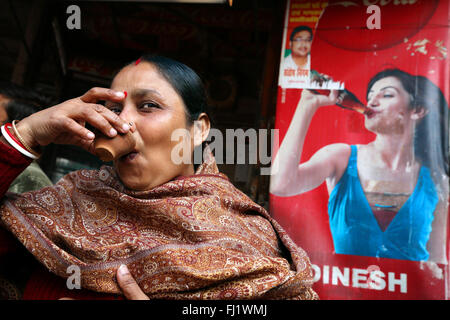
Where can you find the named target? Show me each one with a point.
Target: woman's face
(388, 104)
(156, 111)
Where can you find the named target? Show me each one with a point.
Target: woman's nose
(131, 123)
(129, 118)
(132, 126)
(373, 102)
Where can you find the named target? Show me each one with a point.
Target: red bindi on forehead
(137, 61)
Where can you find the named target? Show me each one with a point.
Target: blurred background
(233, 45)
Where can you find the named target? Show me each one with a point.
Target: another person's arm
(12, 163)
(291, 178)
(32, 178)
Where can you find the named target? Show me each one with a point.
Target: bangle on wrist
(18, 143)
(29, 149)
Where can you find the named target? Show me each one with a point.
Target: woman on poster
(387, 198)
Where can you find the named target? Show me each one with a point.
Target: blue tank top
(355, 229)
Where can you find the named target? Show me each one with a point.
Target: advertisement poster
(362, 181)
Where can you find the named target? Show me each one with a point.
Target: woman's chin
(385, 127)
(375, 126)
(131, 180)
(135, 185)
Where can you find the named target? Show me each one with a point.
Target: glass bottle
(346, 99)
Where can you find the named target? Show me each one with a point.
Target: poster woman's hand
(315, 100)
(288, 177)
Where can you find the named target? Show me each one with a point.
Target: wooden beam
(24, 58)
(271, 64)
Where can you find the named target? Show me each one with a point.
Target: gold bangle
(30, 150)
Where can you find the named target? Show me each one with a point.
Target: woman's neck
(396, 152)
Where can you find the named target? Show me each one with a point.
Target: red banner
(365, 193)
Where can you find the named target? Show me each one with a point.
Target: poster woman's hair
(431, 134)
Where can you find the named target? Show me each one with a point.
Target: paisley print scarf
(195, 237)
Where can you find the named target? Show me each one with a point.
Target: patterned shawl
(195, 237)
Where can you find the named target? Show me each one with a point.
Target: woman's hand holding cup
(65, 122)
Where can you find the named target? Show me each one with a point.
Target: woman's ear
(419, 113)
(201, 129)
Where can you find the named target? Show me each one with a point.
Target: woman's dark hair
(431, 133)
(185, 82)
(300, 28)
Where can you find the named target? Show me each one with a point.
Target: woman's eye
(115, 109)
(149, 105)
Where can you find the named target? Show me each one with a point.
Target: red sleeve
(12, 163)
